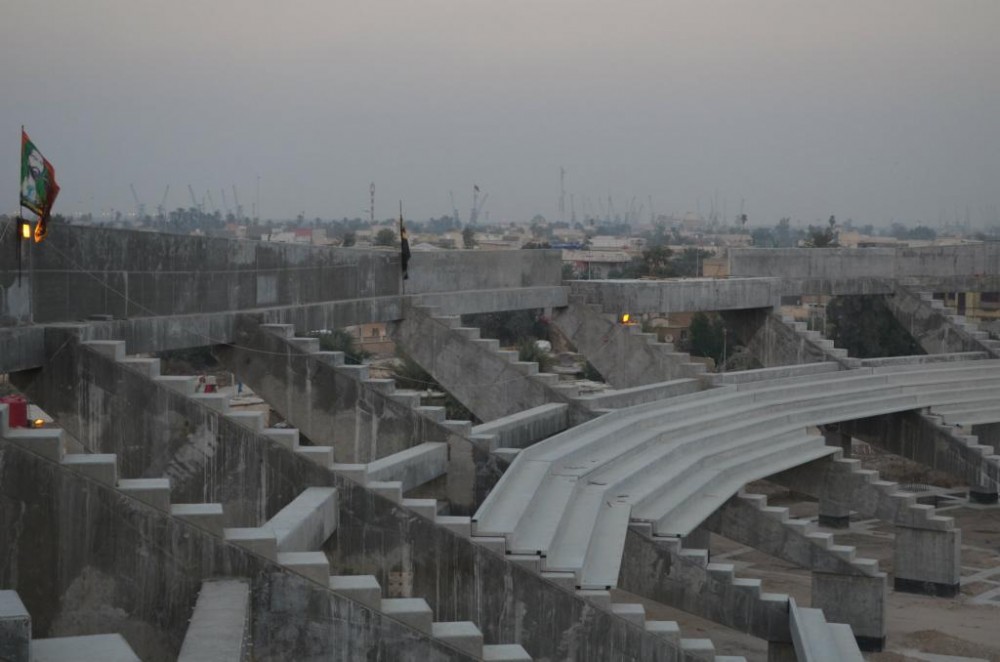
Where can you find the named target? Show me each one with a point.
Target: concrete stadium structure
(158, 523)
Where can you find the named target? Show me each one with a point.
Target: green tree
(349, 239)
(655, 262)
(689, 262)
(469, 237)
(340, 340)
(707, 337)
(866, 328)
(410, 375)
(385, 237)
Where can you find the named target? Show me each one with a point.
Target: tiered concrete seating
(675, 463)
(816, 338)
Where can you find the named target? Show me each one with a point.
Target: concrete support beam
(927, 562)
(858, 600)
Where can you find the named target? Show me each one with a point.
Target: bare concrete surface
(921, 628)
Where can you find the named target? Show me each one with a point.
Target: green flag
(38, 184)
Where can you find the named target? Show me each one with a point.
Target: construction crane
(477, 204)
(454, 209)
(194, 199)
(211, 202)
(236, 201)
(225, 205)
(140, 209)
(161, 209)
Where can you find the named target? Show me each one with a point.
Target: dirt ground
(921, 628)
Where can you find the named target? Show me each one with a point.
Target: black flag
(404, 247)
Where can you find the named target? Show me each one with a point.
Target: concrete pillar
(834, 437)
(15, 628)
(781, 651)
(833, 514)
(697, 539)
(858, 600)
(927, 561)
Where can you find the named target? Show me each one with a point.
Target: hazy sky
(871, 110)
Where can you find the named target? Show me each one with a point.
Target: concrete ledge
(91, 648)
(102, 467)
(305, 523)
(313, 565)
(256, 540)
(412, 467)
(15, 628)
(525, 427)
(152, 491)
(415, 612)
(505, 653)
(208, 516)
(363, 588)
(463, 635)
(219, 624)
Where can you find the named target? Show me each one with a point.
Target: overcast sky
(872, 110)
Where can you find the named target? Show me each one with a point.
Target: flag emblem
(404, 248)
(38, 184)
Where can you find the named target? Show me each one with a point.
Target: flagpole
(402, 281)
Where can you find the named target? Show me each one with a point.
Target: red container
(17, 410)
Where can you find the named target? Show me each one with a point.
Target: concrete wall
(486, 383)
(869, 270)
(211, 458)
(76, 551)
(447, 271)
(930, 327)
(656, 572)
(15, 286)
(682, 295)
(771, 341)
(623, 358)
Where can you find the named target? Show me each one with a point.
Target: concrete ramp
(219, 630)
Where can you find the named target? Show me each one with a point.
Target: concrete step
(437, 414)
(307, 345)
(463, 635)
(112, 349)
(47, 442)
(255, 420)
(15, 628)
(357, 473)
(330, 357)
(600, 598)
(208, 516)
(148, 367)
(451, 321)
(496, 544)
(455, 523)
(426, 508)
(183, 384)
(407, 397)
(102, 467)
(88, 648)
(526, 367)
(633, 612)
(218, 626)
(359, 372)
(415, 612)
(152, 491)
(280, 330)
(667, 629)
(487, 344)
(287, 437)
(384, 386)
(392, 489)
(321, 455)
(505, 653)
(549, 378)
(468, 332)
(313, 565)
(216, 401)
(363, 588)
(510, 355)
(256, 540)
